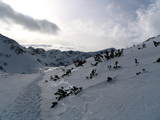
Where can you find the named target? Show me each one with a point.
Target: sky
(85, 25)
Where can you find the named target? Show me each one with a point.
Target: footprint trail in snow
(26, 105)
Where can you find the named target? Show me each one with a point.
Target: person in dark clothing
(136, 61)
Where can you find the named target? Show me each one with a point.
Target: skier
(136, 61)
(116, 64)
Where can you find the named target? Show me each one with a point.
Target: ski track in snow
(26, 105)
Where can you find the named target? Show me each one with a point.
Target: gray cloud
(143, 24)
(98, 24)
(7, 14)
(115, 23)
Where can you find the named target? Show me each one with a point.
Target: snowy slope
(132, 95)
(14, 58)
(19, 95)
(127, 97)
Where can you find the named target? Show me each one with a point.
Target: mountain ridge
(36, 57)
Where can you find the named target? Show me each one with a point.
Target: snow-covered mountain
(14, 58)
(115, 85)
(55, 58)
(18, 59)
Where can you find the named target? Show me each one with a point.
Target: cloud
(8, 15)
(148, 19)
(90, 25)
(123, 25)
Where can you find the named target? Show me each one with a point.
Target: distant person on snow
(136, 62)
